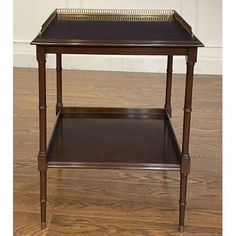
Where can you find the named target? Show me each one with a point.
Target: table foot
(43, 225)
(165, 174)
(181, 229)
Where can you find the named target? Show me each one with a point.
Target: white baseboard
(209, 61)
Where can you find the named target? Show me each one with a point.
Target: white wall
(203, 15)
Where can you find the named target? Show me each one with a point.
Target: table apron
(117, 50)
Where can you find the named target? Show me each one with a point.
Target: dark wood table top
(159, 28)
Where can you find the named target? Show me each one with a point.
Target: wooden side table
(117, 138)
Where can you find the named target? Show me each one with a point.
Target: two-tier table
(117, 138)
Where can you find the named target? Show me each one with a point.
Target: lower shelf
(116, 138)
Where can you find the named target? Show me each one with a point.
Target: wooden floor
(108, 202)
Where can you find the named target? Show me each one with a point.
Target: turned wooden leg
(43, 197)
(165, 148)
(185, 161)
(42, 156)
(168, 85)
(167, 105)
(182, 201)
(59, 83)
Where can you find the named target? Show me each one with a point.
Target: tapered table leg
(168, 85)
(183, 192)
(59, 83)
(185, 162)
(42, 165)
(167, 105)
(43, 198)
(165, 147)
